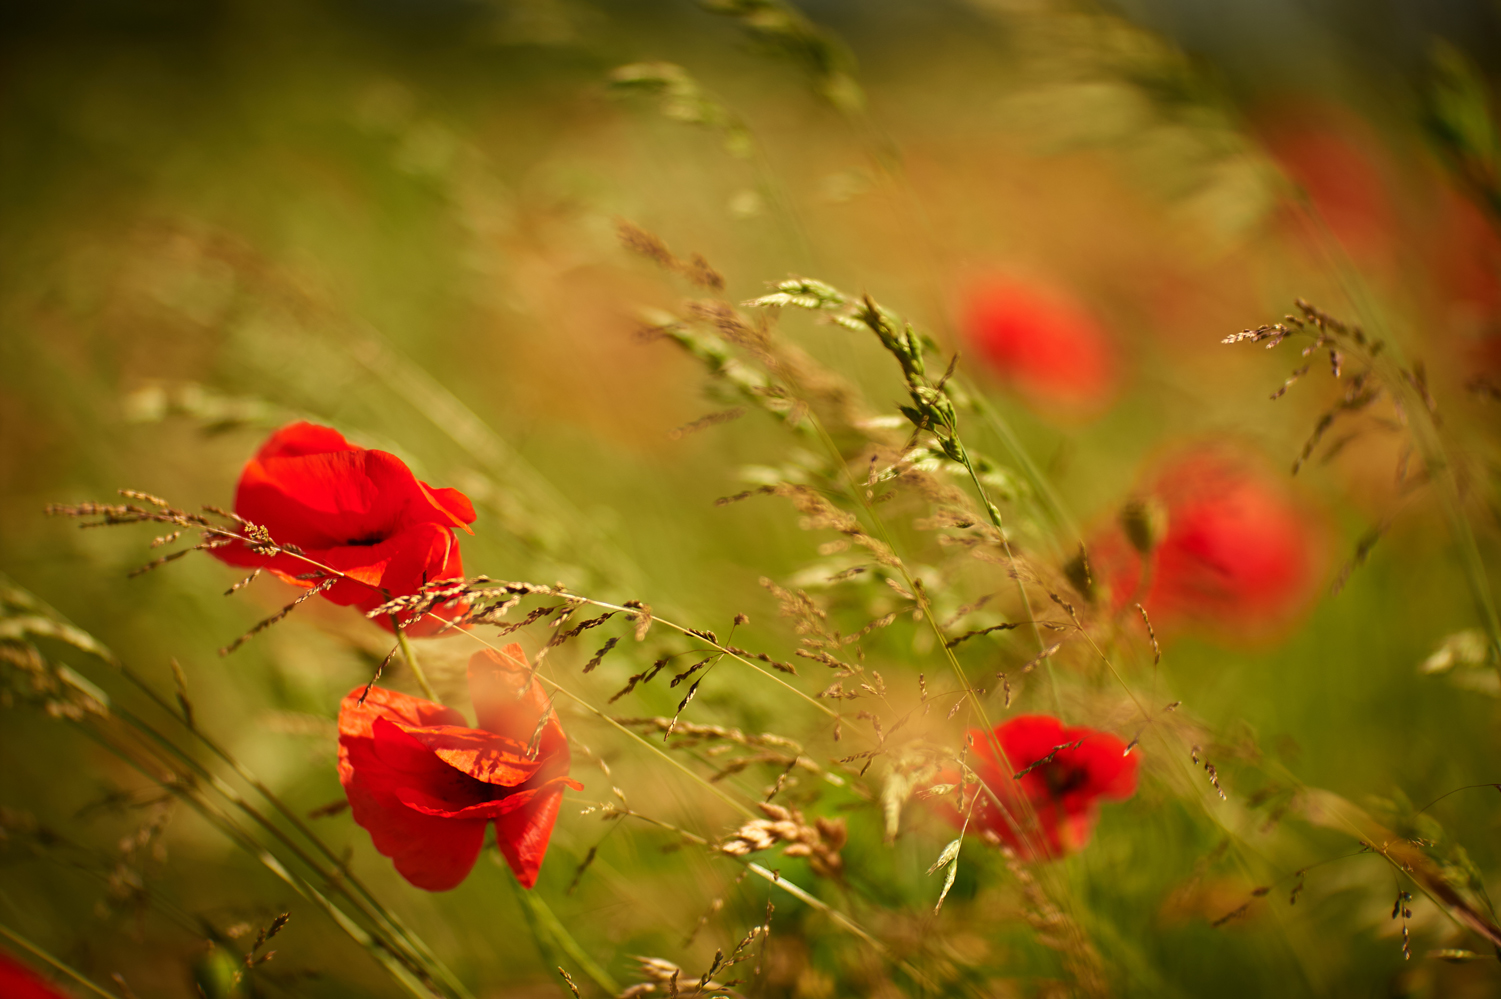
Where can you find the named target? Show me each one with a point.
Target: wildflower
(1338, 166)
(1234, 551)
(426, 786)
(1041, 342)
(17, 982)
(358, 511)
(1051, 781)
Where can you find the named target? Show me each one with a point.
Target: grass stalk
(56, 965)
(552, 937)
(411, 660)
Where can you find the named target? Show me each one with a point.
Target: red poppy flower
(19, 982)
(1235, 551)
(1041, 342)
(1337, 163)
(359, 511)
(426, 786)
(1051, 809)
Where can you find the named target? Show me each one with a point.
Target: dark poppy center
(365, 542)
(1062, 779)
(460, 790)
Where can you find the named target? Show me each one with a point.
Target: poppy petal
(301, 438)
(522, 835)
(356, 720)
(452, 503)
(19, 982)
(484, 756)
(432, 852)
(361, 512)
(509, 700)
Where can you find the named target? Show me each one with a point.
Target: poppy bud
(1076, 571)
(1144, 519)
(1221, 543)
(216, 975)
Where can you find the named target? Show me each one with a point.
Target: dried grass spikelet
(796, 604)
(649, 245)
(819, 842)
(717, 740)
(665, 978)
(819, 514)
(62, 693)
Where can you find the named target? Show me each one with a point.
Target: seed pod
(1076, 571)
(1144, 520)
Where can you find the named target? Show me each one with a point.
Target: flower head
(18, 982)
(361, 512)
(1041, 342)
(1051, 807)
(426, 786)
(1235, 551)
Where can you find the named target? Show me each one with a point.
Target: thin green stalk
(994, 513)
(52, 962)
(411, 659)
(400, 966)
(840, 919)
(54, 624)
(552, 936)
(1174, 753)
(418, 956)
(1039, 481)
(377, 911)
(920, 595)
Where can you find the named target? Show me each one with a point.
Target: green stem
(552, 937)
(411, 658)
(370, 907)
(994, 513)
(383, 917)
(405, 969)
(53, 962)
(1052, 503)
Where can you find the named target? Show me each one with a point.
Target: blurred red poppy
(1050, 810)
(1234, 550)
(426, 786)
(359, 511)
(18, 982)
(1041, 342)
(1336, 161)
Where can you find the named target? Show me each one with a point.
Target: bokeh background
(399, 218)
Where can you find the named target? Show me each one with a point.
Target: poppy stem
(411, 658)
(552, 937)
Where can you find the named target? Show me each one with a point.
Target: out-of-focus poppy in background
(1213, 540)
(1041, 342)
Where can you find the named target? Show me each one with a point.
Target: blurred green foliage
(400, 219)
